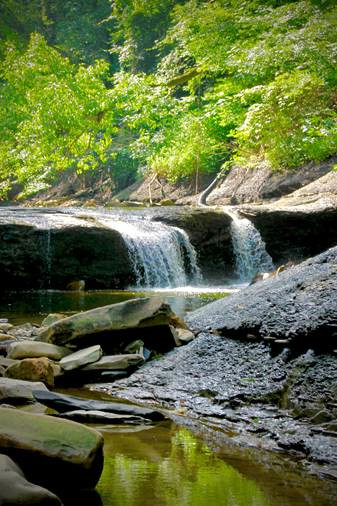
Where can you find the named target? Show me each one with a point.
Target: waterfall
(161, 255)
(250, 252)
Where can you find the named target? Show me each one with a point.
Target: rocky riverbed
(263, 367)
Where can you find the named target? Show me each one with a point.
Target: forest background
(127, 88)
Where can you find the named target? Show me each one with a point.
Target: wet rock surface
(298, 307)
(270, 378)
(64, 453)
(65, 403)
(258, 398)
(16, 490)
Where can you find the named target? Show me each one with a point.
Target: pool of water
(21, 307)
(167, 465)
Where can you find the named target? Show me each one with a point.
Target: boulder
(64, 453)
(115, 362)
(2, 371)
(81, 358)
(95, 416)
(6, 337)
(107, 321)
(182, 336)
(63, 403)
(16, 490)
(36, 349)
(52, 318)
(300, 305)
(32, 369)
(13, 390)
(5, 327)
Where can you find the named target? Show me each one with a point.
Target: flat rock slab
(63, 453)
(136, 313)
(64, 403)
(36, 349)
(13, 390)
(16, 490)
(300, 305)
(81, 358)
(115, 362)
(101, 417)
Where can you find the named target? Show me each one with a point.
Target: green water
(20, 307)
(168, 466)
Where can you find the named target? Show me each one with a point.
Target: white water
(162, 256)
(249, 249)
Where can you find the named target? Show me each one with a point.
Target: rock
(182, 336)
(2, 371)
(24, 331)
(76, 286)
(135, 346)
(300, 304)
(23, 252)
(6, 337)
(12, 390)
(101, 417)
(52, 318)
(63, 403)
(5, 327)
(36, 349)
(32, 369)
(6, 362)
(16, 490)
(243, 185)
(65, 454)
(105, 322)
(115, 362)
(81, 358)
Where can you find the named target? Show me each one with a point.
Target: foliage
(197, 84)
(52, 115)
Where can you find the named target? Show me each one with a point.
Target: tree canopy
(174, 87)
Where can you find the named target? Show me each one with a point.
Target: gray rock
(300, 305)
(36, 349)
(115, 362)
(16, 490)
(64, 453)
(5, 327)
(81, 358)
(52, 318)
(95, 416)
(24, 331)
(13, 390)
(182, 336)
(64, 403)
(133, 314)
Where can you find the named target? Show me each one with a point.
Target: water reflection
(164, 467)
(20, 307)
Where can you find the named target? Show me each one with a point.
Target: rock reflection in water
(168, 466)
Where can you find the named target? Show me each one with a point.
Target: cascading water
(250, 252)
(162, 256)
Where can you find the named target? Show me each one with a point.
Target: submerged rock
(95, 416)
(52, 452)
(300, 305)
(14, 390)
(16, 490)
(64, 403)
(105, 323)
